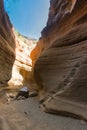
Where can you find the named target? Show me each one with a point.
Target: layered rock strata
(60, 65)
(7, 46)
(22, 68)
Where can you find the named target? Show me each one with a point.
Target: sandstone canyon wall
(7, 46)
(60, 58)
(15, 61)
(22, 68)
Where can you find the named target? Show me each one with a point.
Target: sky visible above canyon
(28, 17)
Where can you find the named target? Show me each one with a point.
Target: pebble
(33, 93)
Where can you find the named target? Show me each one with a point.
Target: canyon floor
(27, 115)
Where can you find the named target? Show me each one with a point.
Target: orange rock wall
(7, 46)
(63, 42)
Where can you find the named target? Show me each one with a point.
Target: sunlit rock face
(21, 72)
(61, 68)
(7, 46)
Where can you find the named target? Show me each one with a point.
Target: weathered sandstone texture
(60, 58)
(22, 68)
(15, 62)
(7, 46)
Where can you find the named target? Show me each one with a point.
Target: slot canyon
(53, 67)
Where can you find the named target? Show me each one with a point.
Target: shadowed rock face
(7, 46)
(61, 68)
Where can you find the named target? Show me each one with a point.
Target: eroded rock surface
(61, 68)
(7, 46)
(22, 68)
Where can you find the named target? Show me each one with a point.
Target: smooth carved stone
(60, 66)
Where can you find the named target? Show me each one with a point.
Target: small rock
(11, 95)
(26, 112)
(24, 89)
(23, 93)
(33, 93)
(21, 98)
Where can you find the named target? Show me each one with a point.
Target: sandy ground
(26, 115)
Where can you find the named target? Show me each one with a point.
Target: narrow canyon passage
(43, 83)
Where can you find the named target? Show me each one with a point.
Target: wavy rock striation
(15, 62)
(7, 46)
(61, 62)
